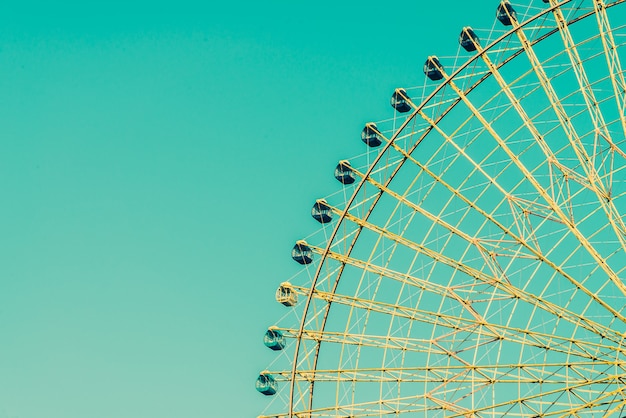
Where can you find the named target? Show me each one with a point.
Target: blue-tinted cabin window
(433, 69)
(266, 384)
(371, 136)
(274, 339)
(344, 173)
(506, 14)
(468, 39)
(321, 212)
(399, 101)
(302, 253)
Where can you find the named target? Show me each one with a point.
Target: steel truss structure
(474, 262)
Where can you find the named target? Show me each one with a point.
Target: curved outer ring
(392, 175)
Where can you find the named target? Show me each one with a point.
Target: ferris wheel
(473, 262)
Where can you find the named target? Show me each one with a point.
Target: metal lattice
(476, 265)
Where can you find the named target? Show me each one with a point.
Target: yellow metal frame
(521, 241)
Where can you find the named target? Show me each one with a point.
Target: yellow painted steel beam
(533, 300)
(435, 256)
(547, 198)
(614, 64)
(291, 402)
(548, 374)
(531, 338)
(600, 128)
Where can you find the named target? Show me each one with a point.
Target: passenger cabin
(371, 136)
(274, 339)
(286, 294)
(321, 212)
(433, 69)
(506, 13)
(266, 384)
(400, 101)
(468, 39)
(302, 253)
(344, 173)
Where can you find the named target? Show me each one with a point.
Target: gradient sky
(158, 162)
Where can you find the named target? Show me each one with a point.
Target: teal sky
(158, 162)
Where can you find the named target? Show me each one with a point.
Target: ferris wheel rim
(390, 143)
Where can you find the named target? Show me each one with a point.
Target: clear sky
(158, 162)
